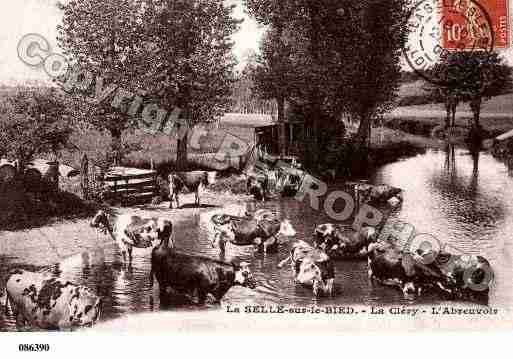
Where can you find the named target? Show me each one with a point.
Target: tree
(344, 57)
(32, 122)
(488, 76)
(468, 76)
(378, 35)
(192, 66)
(272, 75)
(104, 39)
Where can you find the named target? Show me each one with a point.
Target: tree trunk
(475, 106)
(282, 126)
(448, 114)
(181, 152)
(453, 109)
(116, 146)
(364, 131)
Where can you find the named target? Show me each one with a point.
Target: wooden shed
(268, 138)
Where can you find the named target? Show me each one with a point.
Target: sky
(20, 17)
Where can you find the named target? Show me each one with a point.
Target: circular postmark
(438, 28)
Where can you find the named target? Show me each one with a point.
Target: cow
(194, 181)
(199, 278)
(50, 303)
(379, 194)
(130, 231)
(343, 243)
(312, 267)
(257, 186)
(390, 265)
(460, 276)
(261, 230)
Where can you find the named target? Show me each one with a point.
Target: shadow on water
(462, 198)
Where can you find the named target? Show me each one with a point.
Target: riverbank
(496, 117)
(50, 244)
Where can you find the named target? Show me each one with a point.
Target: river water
(464, 200)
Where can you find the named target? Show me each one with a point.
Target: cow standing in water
(200, 279)
(342, 242)
(312, 267)
(194, 181)
(130, 231)
(50, 303)
(261, 230)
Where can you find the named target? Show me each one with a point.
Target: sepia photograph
(247, 166)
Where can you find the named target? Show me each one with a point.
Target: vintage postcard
(171, 166)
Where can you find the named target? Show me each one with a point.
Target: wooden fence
(123, 184)
(131, 185)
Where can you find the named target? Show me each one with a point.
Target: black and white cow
(312, 267)
(200, 279)
(261, 230)
(460, 276)
(194, 181)
(342, 242)
(379, 194)
(50, 303)
(389, 265)
(130, 231)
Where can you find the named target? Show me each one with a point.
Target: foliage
(192, 66)
(471, 77)
(104, 39)
(339, 56)
(172, 53)
(33, 122)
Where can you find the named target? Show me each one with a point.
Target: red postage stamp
(471, 24)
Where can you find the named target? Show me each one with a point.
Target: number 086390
(34, 347)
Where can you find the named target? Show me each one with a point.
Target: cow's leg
(129, 248)
(329, 286)
(20, 320)
(6, 307)
(222, 245)
(151, 277)
(270, 244)
(197, 196)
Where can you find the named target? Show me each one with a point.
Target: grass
(496, 115)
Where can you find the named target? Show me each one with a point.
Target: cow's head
(286, 229)
(243, 275)
(163, 232)
(326, 236)
(256, 188)
(85, 307)
(101, 221)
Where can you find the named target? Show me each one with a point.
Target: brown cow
(194, 181)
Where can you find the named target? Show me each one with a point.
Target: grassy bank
(496, 117)
(22, 210)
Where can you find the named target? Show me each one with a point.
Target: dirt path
(51, 244)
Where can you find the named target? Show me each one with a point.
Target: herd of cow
(51, 303)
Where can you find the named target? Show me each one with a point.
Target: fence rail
(123, 184)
